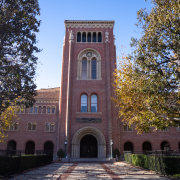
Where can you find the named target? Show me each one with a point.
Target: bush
(116, 152)
(60, 153)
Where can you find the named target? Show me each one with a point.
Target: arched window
(78, 37)
(35, 110)
(165, 146)
(29, 126)
(99, 37)
(94, 36)
(44, 109)
(39, 109)
(30, 147)
(89, 37)
(47, 127)
(11, 145)
(128, 146)
(94, 103)
(147, 146)
(84, 69)
(127, 128)
(53, 110)
(48, 110)
(83, 103)
(52, 127)
(84, 37)
(34, 126)
(31, 110)
(93, 68)
(16, 126)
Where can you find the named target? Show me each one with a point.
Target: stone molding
(101, 141)
(89, 24)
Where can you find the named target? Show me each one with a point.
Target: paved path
(89, 171)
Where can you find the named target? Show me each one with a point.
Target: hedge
(13, 164)
(163, 164)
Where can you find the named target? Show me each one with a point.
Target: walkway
(89, 171)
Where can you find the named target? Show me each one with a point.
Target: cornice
(89, 24)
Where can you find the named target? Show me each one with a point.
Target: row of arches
(30, 146)
(89, 37)
(146, 146)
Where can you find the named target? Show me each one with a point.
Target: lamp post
(65, 142)
(111, 149)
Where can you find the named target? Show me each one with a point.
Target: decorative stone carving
(106, 36)
(71, 36)
(88, 120)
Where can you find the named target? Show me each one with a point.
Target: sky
(52, 30)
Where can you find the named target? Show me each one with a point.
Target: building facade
(80, 117)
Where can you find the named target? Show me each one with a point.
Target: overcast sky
(52, 29)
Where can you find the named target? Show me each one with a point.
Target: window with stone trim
(53, 109)
(83, 103)
(89, 37)
(89, 65)
(94, 103)
(31, 126)
(127, 128)
(49, 127)
(14, 126)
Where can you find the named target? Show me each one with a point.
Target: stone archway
(101, 142)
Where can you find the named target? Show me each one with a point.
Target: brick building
(80, 116)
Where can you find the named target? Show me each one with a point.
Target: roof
(51, 93)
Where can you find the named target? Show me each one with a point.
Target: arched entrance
(147, 146)
(165, 146)
(95, 133)
(128, 146)
(48, 146)
(30, 147)
(11, 145)
(88, 147)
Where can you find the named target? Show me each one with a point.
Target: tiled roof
(52, 93)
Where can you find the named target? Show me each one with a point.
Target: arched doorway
(49, 146)
(128, 146)
(97, 134)
(88, 147)
(147, 146)
(165, 146)
(11, 145)
(30, 147)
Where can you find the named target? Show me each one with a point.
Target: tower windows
(99, 37)
(83, 103)
(84, 69)
(78, 37)
(84, 37)
(93, 68)
(89, 37)
(94, 103)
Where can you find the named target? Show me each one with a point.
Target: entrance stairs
(91, 160)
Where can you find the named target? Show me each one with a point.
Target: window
(48, 110)
(94, 36)
(31, 110)
(49, 127)
(94, 103)
(84, 69)
(14, 126)
(127, 128)
(78, 37)
(93, 69)
(35, 110)
(83, 103)
(89, 37)
(53, 110)
(84, 37)
(31, 126)
(164, 130)
(99, 37)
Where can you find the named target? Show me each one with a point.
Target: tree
(18, 25)
(60, 153)
(148, 95)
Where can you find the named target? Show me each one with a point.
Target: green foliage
(163, 164)
(60, 153)
(18, 28)
(116, 152)
(147, 82)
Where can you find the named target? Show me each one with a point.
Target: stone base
(65, 159)
(113, 160)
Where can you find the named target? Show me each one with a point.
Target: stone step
(91, 160)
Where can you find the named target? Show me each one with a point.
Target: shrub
(60, 153)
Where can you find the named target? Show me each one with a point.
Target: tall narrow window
(94, 36)
(52, 127)
(16, 126)
(89, 37)
(83, 103)
(53, 110)
(35, 110)
(47, 126)
(84, 69)
(31, 110)
(84, 37)
(34, 126)
(78, 37)
(94, 74)
(48, 110)
(99, 37)
(94, 103)
(29, 126)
